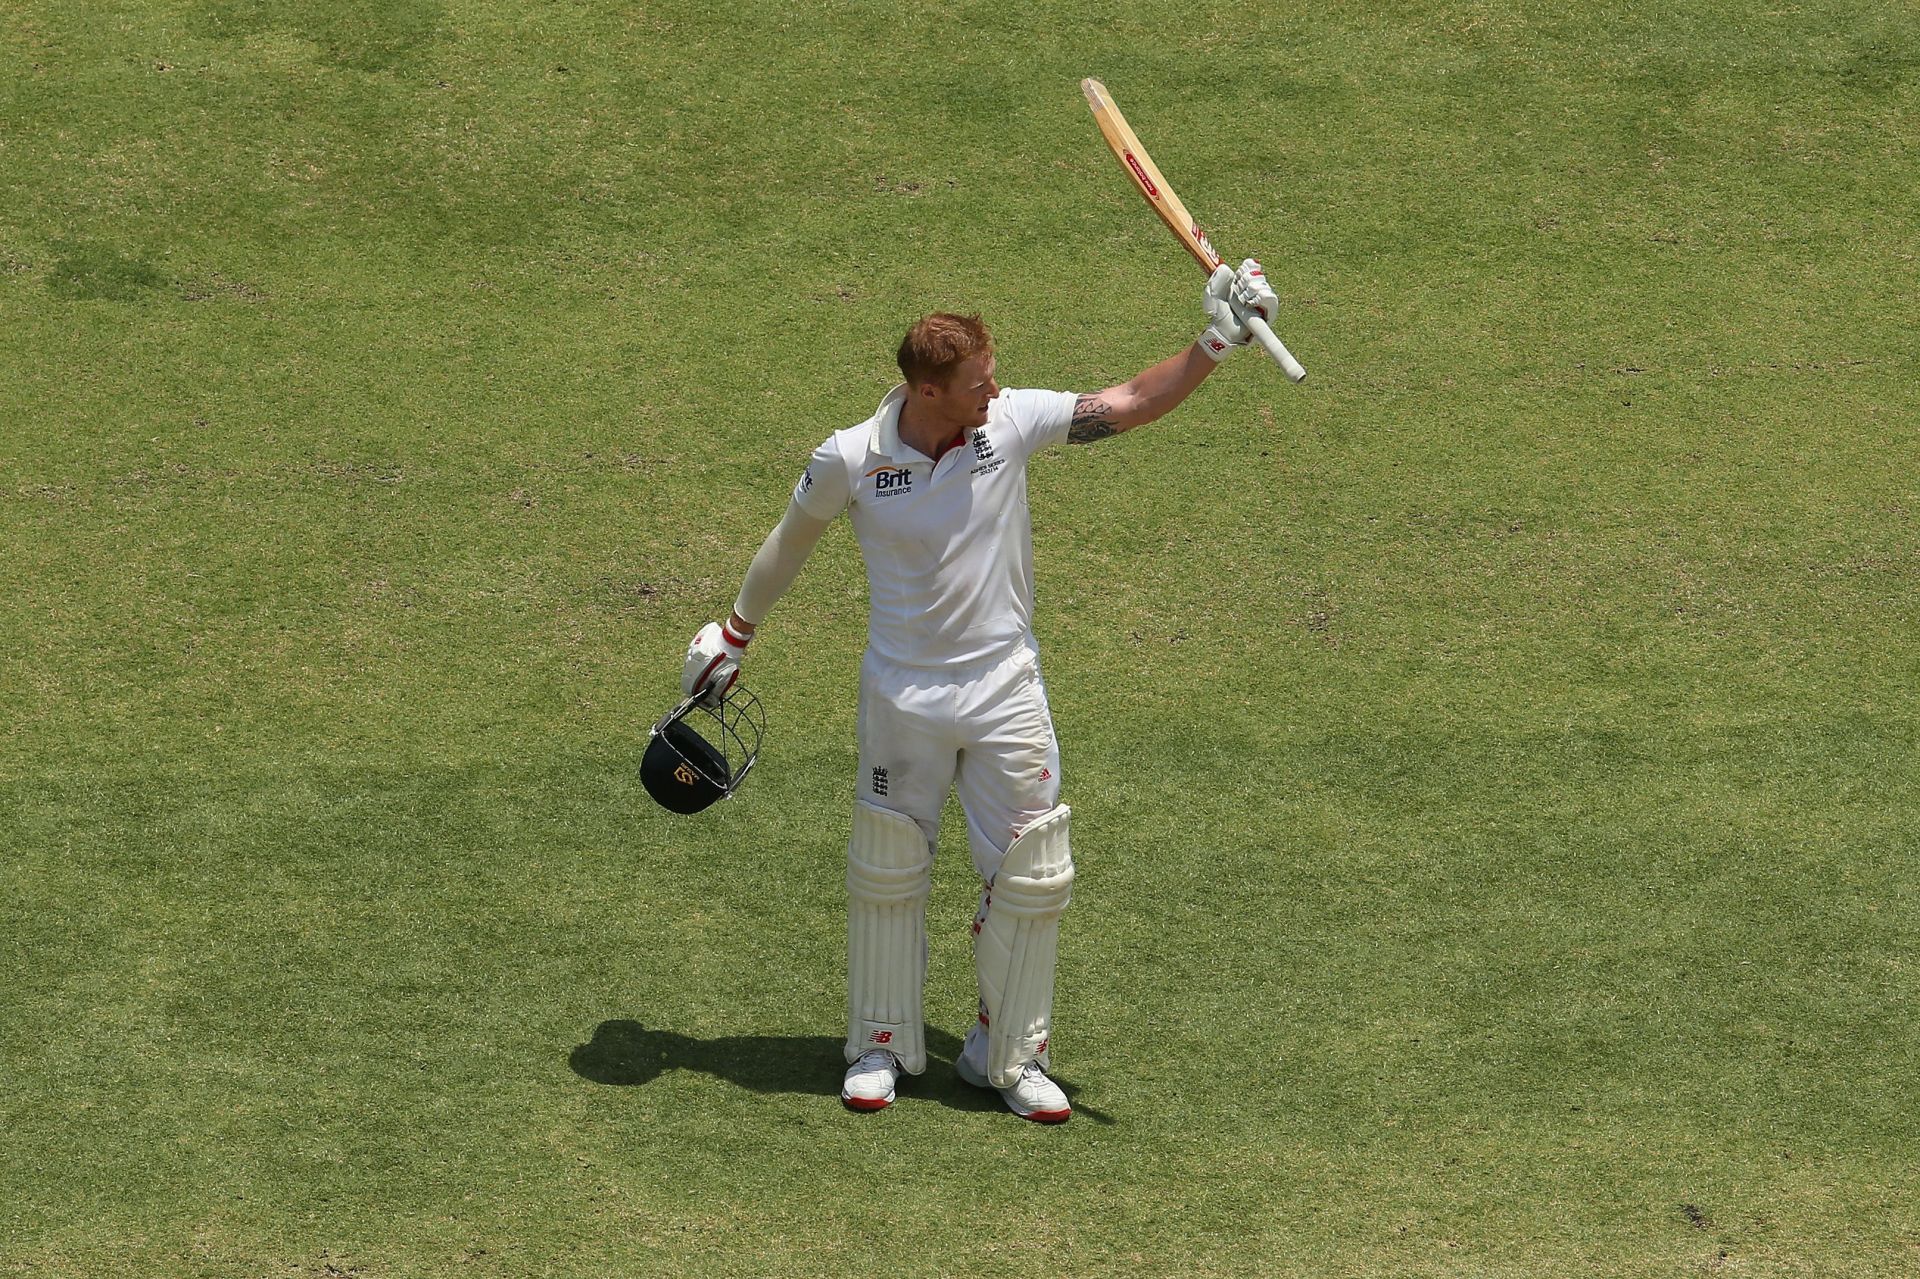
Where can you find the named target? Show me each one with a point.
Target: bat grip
(1277, 349)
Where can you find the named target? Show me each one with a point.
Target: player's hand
(713, 662)
(1227, 331)
(1252, 294)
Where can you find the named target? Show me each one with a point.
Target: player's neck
(927, 435)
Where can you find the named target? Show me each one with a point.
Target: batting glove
(713, 662)
(1252, 294)
(1228, 332)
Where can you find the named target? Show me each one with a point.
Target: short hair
(939, 344)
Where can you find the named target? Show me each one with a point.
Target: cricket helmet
(700, 751)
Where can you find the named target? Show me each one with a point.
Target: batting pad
(889, 876)
(1015, 941)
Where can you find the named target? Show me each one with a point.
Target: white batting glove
(1252, 294)
(713, 662)
(1228, 332)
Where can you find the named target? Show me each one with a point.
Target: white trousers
(982, 729)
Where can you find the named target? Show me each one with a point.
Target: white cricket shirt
(948, 546)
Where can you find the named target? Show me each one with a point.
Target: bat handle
(1277, 349)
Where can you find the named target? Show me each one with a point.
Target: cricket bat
(1147, 178)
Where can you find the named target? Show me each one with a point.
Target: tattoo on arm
(1092, 420)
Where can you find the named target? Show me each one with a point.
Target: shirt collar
(885, 436)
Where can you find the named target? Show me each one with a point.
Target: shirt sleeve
(778, 563)
(824, 488)
(1039, 418)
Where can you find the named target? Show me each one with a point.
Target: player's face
(969, 391)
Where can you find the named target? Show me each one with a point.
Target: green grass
(1492, 761)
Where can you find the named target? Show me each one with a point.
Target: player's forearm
(1146, 398)
(1158, 390)
(775, 566)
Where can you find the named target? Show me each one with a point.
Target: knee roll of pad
(1016, 940)
(889, 876)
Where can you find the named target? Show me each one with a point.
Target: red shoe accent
(1050, 1116)
(865, 1103)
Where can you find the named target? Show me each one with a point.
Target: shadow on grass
(625, 1054)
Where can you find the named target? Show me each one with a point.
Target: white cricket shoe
(869, 1083)
(1032, 1096)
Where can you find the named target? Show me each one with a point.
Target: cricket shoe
(869, 1083)
(1032, 1096)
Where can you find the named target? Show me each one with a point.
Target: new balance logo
(880, 1037)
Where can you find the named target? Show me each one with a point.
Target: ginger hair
(939, 344)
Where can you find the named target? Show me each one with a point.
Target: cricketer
(950, 690)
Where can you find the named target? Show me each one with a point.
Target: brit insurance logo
(891, 481)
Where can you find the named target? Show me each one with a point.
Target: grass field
(1493, 761)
